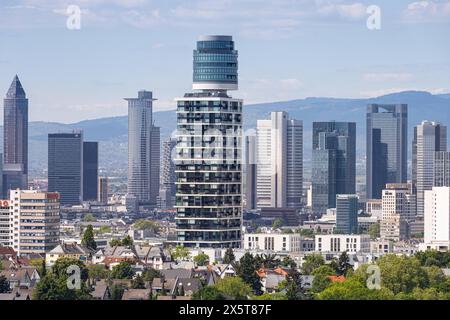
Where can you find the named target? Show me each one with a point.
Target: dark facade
(347, 214)
(333, 164)
(65, 166)
(15, 136)
(90, 171)
(387, 147)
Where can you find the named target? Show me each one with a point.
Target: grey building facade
(347, 214)
(90, 171)
(387, 147)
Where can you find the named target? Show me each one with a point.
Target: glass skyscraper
(15, 137)
(65, 166)
(347, 213)
(208, 151)
(90, 171)
(387, 147)
(333, 163)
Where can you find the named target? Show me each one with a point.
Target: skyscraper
(140, 148)
(103, 189)
(333, 163)
(279, 161)
(208, 152)
(441, 176)
(155, 165)
(168, 177)
(429, 138)
(347, 213)
(250, 172)
(65, 166)
(437, 218)
(15, 137)
(90, 171)
(387, 147)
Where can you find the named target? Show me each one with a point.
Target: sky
(288, 49)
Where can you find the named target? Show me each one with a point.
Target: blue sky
(288, 49)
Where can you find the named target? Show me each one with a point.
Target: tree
(62, 264)
(4, 285)
(150, 274)
(122, 271)
(127, 241)
(320, 283)
(288, 262)
(115, 242)
(104, 229)
(277, 223)
(201, 259)
(54, 287)
(353, 290)
(234, 288)
(343, 264)
(246, 270)
(229, 256)
(138, 283)
(374, 231)
(267, 261)
(401, 273)
(117, 291)
(88, 238)
(208, 293)
(306, 232)
(270, 296)
(312, 261)
(98, 271)
(146, 225)
(294, 286)
(89, 218)
(180, 252)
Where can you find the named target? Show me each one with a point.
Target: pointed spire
(16, 90)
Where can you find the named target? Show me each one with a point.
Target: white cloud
(355, 11)
(427, 11)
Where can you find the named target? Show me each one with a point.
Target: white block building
(437, 219)
(277, 242)
(338, 243)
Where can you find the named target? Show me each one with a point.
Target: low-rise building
(71, 251)
(277, 242)
(337, 243)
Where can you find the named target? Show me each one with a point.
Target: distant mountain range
(112, 132)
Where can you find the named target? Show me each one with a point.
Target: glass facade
(65, 166)
(387, 132)
(347, 214)
(215, 64)
(90, 171)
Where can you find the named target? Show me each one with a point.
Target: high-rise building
(333, 163)
(429, 138)
(387, 147)
(103, 190)
(168, 177)
(346, 213)
(90, 171)
(250, 172)
(155, 165)
(15, 137)
(65, 166)
(279, 150)
(441, 175)
(437, 218)
(140, 142)
(35, 221)
(398, 210)
(208, 152)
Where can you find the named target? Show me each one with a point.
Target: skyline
(84, 74)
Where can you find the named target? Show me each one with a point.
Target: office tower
(35, 221)
(65, 166)
(208, 153)
(441, 175)
(168, 177)
(5, 237)
(429, 138)
(346, 213)
(279, 149)
(437, 218)
(140, 147)
(103, 189)
(398, 210)
(387, 148)
(90, 171)
(250, 172)
(333, 163)
(155, 165)
(15, 137)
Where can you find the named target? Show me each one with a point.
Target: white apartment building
(398, 208)
(338, 243)
(35, 221)
(437, 218)
(277, 242)
(279, 150)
